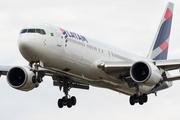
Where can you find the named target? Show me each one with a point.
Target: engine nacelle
(145, 73)
(21, 78)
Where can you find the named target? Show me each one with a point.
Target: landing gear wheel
(69, 103)
(132, 100)
(34, 79)
(64, 99)
(138, 99)
(38, 79)
(141, 100)
(145, 97)
(73, 100)
(60, 103)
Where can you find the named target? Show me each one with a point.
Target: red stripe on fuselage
(168, 13)
(62, 30)
(164, 46)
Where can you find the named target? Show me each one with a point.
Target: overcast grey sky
(127, 24)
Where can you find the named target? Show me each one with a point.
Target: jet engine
(145, 73)
(21, 78)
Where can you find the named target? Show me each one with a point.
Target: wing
(168, 64)
(4, 69)
(115, 67)
(77, 81)
(122, 69)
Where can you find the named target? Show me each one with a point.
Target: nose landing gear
(36, 78)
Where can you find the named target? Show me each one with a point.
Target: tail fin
(159, 48)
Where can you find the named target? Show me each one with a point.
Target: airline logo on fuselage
(73, 35)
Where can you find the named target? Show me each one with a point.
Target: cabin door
(59, 38)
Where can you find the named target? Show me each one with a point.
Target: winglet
(159, 48)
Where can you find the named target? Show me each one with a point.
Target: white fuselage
(77, 55)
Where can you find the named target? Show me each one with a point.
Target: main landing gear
(66, 100)
(138, 98)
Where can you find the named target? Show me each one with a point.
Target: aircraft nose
(25, 44)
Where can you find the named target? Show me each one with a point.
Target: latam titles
(73, 35)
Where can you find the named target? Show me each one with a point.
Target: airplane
(76, 61)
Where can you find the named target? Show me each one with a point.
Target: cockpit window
(40, 31)
(31, 30)
(24, 31)
(43, 32)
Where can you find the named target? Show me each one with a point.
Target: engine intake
(21, 78)
(145, 72)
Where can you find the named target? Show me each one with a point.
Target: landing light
(101, 65)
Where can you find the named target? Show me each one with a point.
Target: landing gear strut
(66, 100)
(36, 78)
